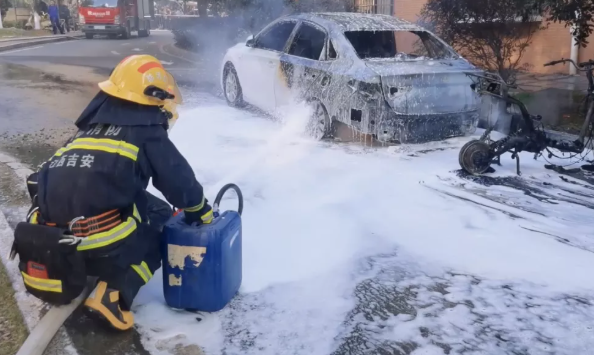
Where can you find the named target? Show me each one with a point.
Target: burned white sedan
(378, 74)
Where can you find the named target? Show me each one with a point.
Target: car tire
(319, 125)
(112, 36)
(232, 87)
(470, 162)
(88, 35)
(143, 33)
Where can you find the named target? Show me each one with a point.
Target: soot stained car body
(379, 74)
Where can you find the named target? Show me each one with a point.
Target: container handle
(217, 201)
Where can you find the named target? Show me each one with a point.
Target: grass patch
(13, 330)
(6, 33)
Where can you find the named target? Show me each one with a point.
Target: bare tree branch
(492, 34)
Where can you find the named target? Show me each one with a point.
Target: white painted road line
(20, 50)
(136, 49)
(115, 53)
(162, 50)
(182, 69)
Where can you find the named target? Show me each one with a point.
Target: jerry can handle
(217, 201)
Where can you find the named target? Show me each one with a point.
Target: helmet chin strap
(169, 116)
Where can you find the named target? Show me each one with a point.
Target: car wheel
(112, 36)
(319, 125)
(88, 35)
(231, 87)
(475, 157)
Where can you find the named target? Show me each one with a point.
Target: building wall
(548, 44)
(408, 9)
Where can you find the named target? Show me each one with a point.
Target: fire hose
(46, 329)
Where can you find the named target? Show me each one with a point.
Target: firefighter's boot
(104, 304)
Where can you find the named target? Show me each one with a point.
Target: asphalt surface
(43, 89)
(62, 77)
(102, 55)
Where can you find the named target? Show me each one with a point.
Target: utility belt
(52, 262)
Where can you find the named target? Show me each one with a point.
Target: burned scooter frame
(527, 134)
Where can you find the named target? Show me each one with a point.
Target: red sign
(37, 270)
(99, 15)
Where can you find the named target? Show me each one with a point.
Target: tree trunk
(203, 8)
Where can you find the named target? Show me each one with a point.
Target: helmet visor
(174, 89)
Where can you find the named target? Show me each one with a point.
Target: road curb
(31, 43)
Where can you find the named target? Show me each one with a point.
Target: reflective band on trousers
(113, 235)
(195, 208)
(144, 271)
(103, 144)
(42, 284)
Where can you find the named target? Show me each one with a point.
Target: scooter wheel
(475, 157)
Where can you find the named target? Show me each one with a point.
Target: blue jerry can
(202, 265)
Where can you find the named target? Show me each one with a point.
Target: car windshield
(403, 45)
(101, 3)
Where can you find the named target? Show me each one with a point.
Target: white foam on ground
(315, 211)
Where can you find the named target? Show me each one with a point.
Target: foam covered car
(378, 74)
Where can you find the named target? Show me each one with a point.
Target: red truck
(116, 18)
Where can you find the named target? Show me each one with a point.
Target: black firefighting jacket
(107, 165)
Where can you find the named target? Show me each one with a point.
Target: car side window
(308, 43)
(331, 51)
(276, 37)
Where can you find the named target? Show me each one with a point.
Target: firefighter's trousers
(132, 267)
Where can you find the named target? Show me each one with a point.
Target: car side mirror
(250, 42)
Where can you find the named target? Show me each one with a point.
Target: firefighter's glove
(203, 216)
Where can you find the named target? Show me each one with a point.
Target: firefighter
(94, 188)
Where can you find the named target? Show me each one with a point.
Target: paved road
(43, 89)
(60, 78)
(102, 54)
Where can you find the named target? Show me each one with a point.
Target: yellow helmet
(141, 79)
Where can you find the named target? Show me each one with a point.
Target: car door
(262, 63)
(305, 66)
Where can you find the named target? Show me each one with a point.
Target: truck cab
(116, 18)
